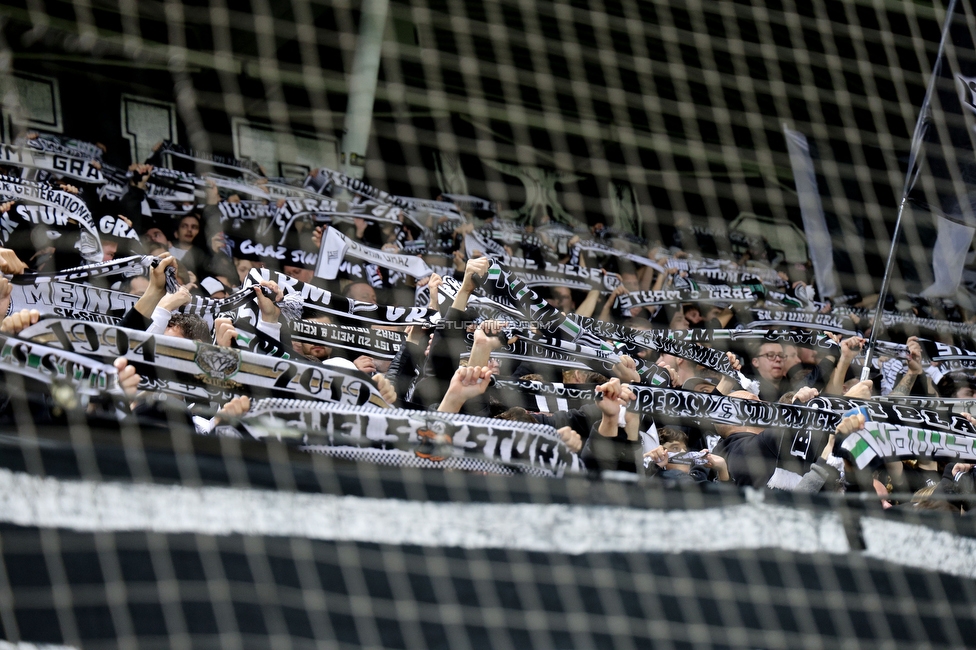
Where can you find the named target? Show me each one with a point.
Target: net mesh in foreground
(663, 119)
(189, 541)
(656, 118)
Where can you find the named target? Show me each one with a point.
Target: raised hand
(860, 390)
(571, 438)
(18, 321)
(850, 424)
(614, 395)
(224, 332)
(805, 394)
(269, 310)
(474, 268)
(366, 364)
(385, 387)
(173, 301)
(658, 456)
(234, 408)
(466, 383)
(128, 377)
(9, 262)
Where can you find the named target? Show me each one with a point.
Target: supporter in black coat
(754, 454)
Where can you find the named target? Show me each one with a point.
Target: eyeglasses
(772, 356)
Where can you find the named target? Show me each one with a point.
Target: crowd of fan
(430, 372)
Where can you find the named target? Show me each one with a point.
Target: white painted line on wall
(117, 507)
(919, 546)
(23, 645)
(90, 506)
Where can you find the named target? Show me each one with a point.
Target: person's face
(138, 285)
(769, 361)
(243, 268)
(315, 350)
(188, 230)
(156, 236)
(675, 446)
(362, 292)
(807, 355)
(965, 391)
(563, 299)
(629, 280)
(693, 316)
(109, 249)
(297, 272)
(790, 357)
(679, 322)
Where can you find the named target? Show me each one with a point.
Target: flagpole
(910, 175)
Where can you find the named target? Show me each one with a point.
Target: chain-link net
(680, 146)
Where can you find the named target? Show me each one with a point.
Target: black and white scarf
(58, 163)
(381, 344)
(559, 275)
(889, 319)
(475, 245)
(938, 351)
(941, 404)
(725, 271)
(675, 406)
(180, 187)
(715, 293)
(601, 361)
(522, 350)
(283, 216)
(204, 372)
(202, 159)
(883, 441)
(246, 210)
(428, 434)
(833, 322)
(69, 300)
(671, 405)
(128, 266)
(606, 249)
(63, 207)
(899, 413)
(583, 331)
(794, 337)
(326, 181)
(545, 397)
(49, 364)
(659, 340)
(336, 247)
(498, 282)
(317, 301)
(437, 209)
(50, 143)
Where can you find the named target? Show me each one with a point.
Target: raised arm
(157, 286)
(474, 268)
(468, 382)
(904, 385)
(849, 348)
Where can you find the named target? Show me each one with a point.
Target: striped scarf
(883, 441)
(203, 372)
(427, 434)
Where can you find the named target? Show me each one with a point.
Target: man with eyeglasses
(768, 365)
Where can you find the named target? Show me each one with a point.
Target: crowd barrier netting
(775, 133)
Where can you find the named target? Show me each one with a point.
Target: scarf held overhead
(204, 372)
